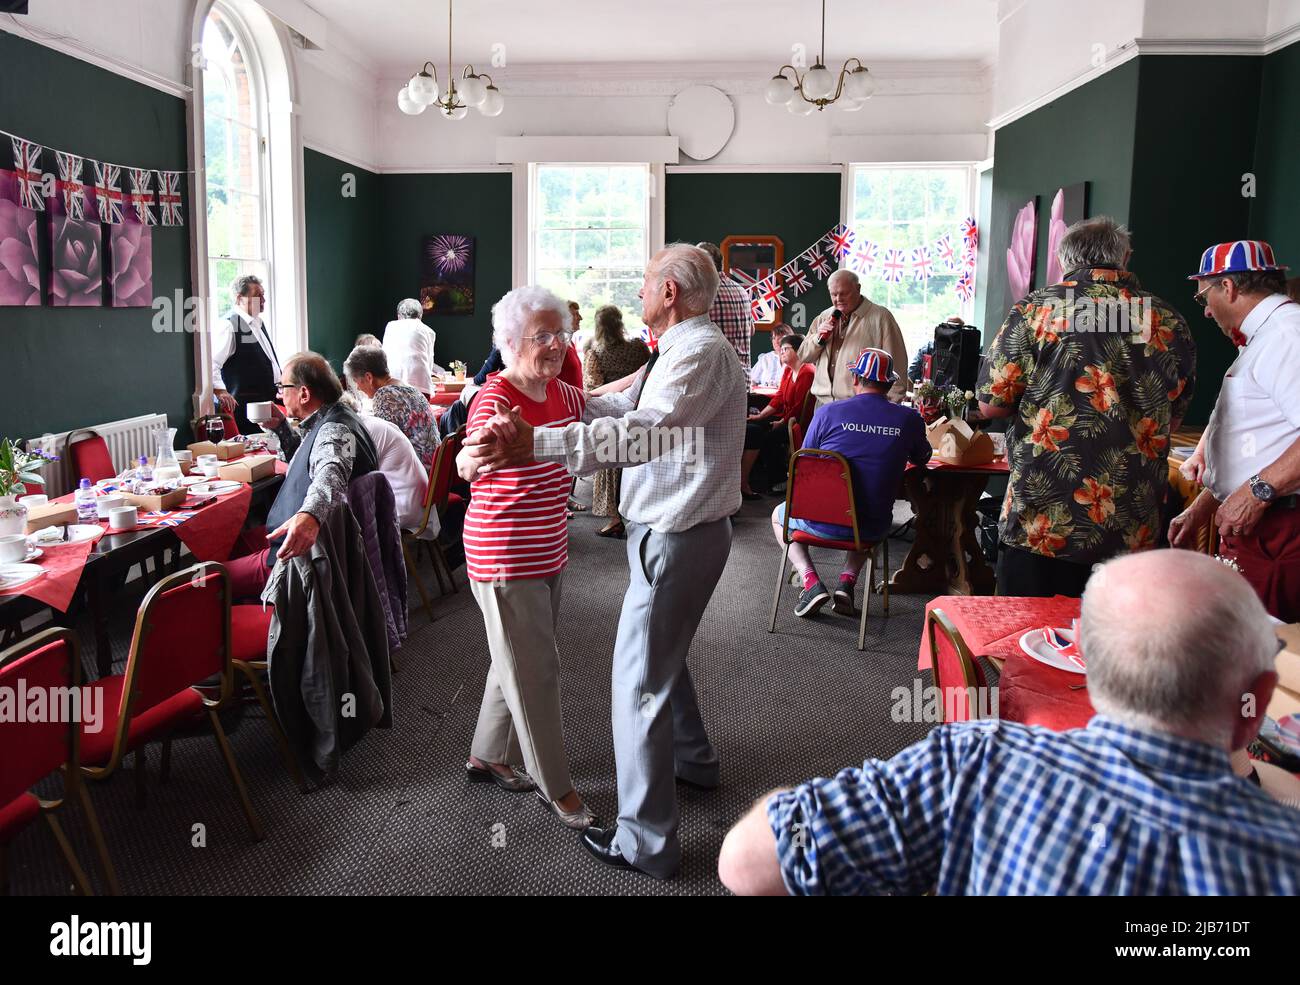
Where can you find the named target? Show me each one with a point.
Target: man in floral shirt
(1093, 373)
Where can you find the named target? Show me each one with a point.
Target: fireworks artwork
(447, 274)
(450, 253)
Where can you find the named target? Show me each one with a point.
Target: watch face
(1261, 489)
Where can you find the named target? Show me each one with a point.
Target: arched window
(234, 140)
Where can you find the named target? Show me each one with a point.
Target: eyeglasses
(1200, 298)
(281, 387)
(546, 338)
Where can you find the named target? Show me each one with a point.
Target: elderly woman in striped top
(516, 547)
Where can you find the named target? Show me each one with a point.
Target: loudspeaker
(956, 357)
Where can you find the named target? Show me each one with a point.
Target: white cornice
(343, 156)
(754, 169)
(84, 52)
(1121, 55)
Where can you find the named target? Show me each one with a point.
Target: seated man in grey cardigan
(328, 448)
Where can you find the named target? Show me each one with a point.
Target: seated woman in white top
(408, 343)
(396, 458)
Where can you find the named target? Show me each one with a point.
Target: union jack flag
(797, 281)
(108, 193)
(946, 251)
(970, 233)
(74, 192)
(921, 263)
(840, 240)
(27, 169)
(819, 263)
(965, 286)
(743, 278)
(865, 256)
(968, 259)
(770, 291)
(893, 267)
(1066, 648)
(142, 196)
(165, 518)
(169, 197)
(758, 310)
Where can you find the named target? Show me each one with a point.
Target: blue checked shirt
(998, 808)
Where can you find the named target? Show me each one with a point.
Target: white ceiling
(395, 35)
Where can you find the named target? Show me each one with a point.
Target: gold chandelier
(818, 87)
(475, 90)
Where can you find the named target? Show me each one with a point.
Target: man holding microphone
(852, 323)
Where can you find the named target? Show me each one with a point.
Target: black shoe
(599, 842)
(698, 786)
(843, 603)
(811, 600)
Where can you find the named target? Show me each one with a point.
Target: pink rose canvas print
(76, 247)
(131, 245)
(20, 278)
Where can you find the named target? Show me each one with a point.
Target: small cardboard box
(167, 501)
(225, 451)
(1288, 660)
(50, 515)
(957, 443)
(250, 468)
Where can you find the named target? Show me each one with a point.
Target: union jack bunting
(965, 286)
(865, 256)
(970, 233)
(27, 169)
(840, 241)
(946, 252)
(770, 291)
(893, 266)
(142, 196)
(742, 278)
(169, 197)
(797, 281)
(921, 263)
(108, 193)
(819, 263)
(165, 518)
(70, 186)
(758, 309)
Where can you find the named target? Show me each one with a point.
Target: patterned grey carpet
(400, 819)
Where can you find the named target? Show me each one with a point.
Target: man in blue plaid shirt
(1142, 801)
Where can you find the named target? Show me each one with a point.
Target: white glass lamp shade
(458, 113)
(859, 84)
(422, 88)
(493, 102)
(779, 91)
(473, 90)
(818, 83)
(799, 107)
(408, 105)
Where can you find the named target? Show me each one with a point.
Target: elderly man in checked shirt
(1141, 802)
(678, 429)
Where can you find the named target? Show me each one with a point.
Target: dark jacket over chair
(372, 502)
(328, 647)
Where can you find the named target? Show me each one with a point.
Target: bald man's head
(1174, 640)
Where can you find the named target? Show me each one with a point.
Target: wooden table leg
(945, 558)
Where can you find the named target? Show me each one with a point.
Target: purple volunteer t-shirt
(878, 438)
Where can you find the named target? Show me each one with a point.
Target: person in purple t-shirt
(877, 438)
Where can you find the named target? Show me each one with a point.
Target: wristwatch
(1261, 489)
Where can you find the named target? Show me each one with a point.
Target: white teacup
(209, 469)
(259, 412)
(123, 518)
(207, 460)
(184, 457)
(13, 548)
(36, 499)
(107, 503)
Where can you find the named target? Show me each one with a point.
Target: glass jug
(165, 467)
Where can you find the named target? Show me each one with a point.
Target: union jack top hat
(1239, 257)
(874, 366)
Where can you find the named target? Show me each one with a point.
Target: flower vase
(13, 516)
(460, 376)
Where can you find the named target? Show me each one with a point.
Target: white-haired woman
(516, 548)
(408, 343)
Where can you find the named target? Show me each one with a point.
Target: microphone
(836, 315)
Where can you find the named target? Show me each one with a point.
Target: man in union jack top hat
(1249, 456)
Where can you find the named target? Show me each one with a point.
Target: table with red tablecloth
(1028, 691)
(945, 556)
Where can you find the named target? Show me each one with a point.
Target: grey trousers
(520, 715)
(658, 732)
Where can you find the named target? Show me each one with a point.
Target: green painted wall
(1188, 161)
(798, 207)
(343, 256)
(71, 367)
(416, 205)
(1086, 135)
(1275, 211)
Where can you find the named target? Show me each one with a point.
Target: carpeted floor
(400, 819)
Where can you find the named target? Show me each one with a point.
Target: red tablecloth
(209, 532)
(62, 564)
(997, 465)
(1028, 691)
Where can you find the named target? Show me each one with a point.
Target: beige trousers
(520, 715)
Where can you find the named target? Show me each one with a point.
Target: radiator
(127, 440)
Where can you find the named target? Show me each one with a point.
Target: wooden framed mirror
(755, 257)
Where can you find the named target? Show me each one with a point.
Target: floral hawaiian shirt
(1095, 369)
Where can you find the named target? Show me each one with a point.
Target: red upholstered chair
(438, 496)
(957, 674)
(31, 751)
(820, 489)
(250, 629)
(230, 428)
(90, 456)
(181, 639)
